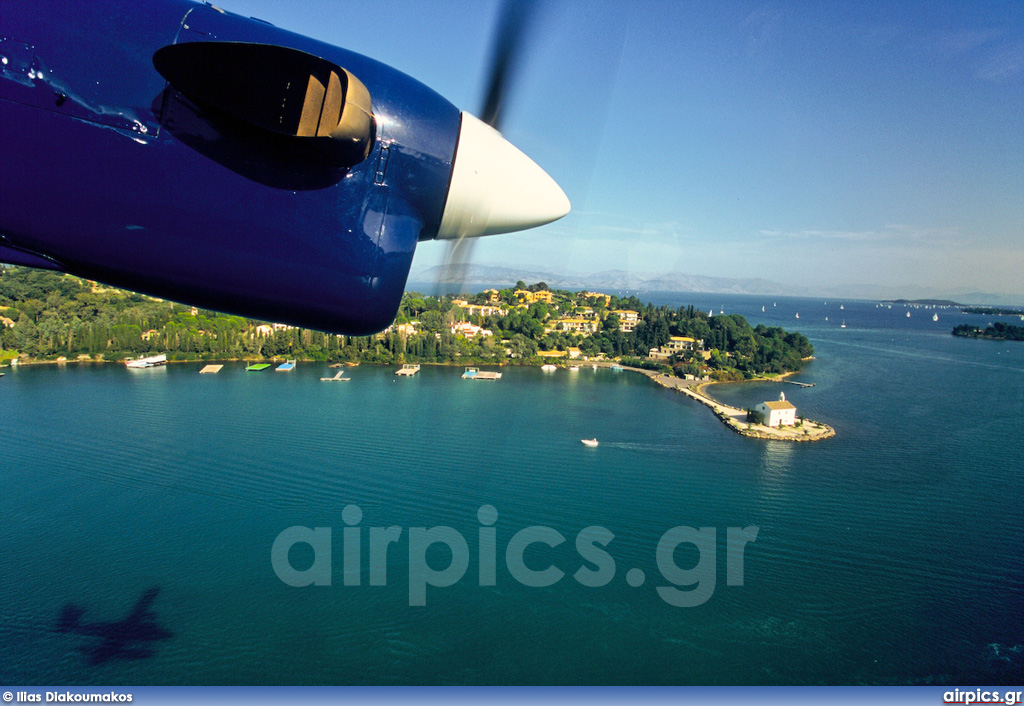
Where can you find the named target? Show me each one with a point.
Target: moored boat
(147, 362)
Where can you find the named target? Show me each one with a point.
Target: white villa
(464, 328)
(480, 309)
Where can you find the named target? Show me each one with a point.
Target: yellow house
(628, 319)
(677, 344)
(578, 325)
(531, 297)
(406, 329)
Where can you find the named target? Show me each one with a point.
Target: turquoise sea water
(890, 554)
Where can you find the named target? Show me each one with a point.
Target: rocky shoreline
(734, 418)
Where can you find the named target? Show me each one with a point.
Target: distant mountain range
(609, 279)
(621, 280)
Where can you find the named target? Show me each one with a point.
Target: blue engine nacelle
(139, 149)
(191, 154)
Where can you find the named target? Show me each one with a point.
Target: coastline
(734, 418)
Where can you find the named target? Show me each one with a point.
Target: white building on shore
(464, 328)
(778, 413)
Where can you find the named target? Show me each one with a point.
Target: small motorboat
(589, 442)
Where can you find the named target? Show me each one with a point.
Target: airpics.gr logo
(956, 696)
(596, 569)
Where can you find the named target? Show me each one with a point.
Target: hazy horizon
(617, 278)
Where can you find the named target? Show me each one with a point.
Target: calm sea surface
(890, 554)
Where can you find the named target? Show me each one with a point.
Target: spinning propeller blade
(495, 188)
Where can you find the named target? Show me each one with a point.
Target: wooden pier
(211, 369)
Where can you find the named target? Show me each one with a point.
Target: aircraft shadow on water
(128, 639)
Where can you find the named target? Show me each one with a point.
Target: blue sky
(812, 143)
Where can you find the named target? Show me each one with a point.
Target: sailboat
(762, 308)
(843, 325)
(935, 317)
(908, 314)
(798, 314)
(841, 307)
